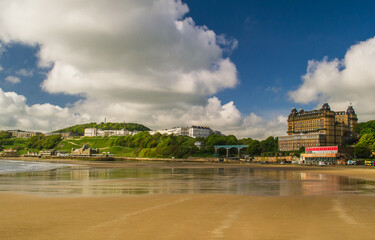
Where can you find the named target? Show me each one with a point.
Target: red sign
(318, 149)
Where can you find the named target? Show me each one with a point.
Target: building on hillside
(193, 131)
(322, 127)
(90, 132)
(198, 144)
(178, 131)
(198, 131)
(65, 135)
(94, 132)
(326, 155)
(84, 151)
(23, 134)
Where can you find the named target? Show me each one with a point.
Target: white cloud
(16, 114)
(135, 61)
(212, 113)
(12, 79)
(340, 82)
(1, 49)
(110, 50)
(1, 68)
(25, 72)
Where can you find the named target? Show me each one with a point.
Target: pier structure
(227, 147)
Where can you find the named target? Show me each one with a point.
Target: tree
(299, 152)
(367, 139)
(4, 134)
(269, 145)
(361, 151)
(365, 127)
(254, 148)
(43, 142)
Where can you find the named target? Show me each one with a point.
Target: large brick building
(316, 128)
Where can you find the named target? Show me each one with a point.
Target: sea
(14, 166)
(59, 179)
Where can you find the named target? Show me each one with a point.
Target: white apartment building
(93, 132)
(193, 131)
(90, 132)
(198, 131)
(184, 131)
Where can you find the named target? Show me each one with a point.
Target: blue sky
(276, 40)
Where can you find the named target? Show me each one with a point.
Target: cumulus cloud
(111, 50)
(25, 72)
(135, 61)
(12, 79)
(341, 82)
(213, 113)
(16, 114)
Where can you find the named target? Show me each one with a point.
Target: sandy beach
(191, 216)
(186, 217)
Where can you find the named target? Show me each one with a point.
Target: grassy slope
(20, 145)
(103, 143)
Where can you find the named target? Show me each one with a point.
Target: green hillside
(105, 144)
(78, 130)
(365, 128)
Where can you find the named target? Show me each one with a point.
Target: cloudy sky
(236, 66)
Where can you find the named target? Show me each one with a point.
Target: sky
(235, 66)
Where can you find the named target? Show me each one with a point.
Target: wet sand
(191, 216)
(186, 217)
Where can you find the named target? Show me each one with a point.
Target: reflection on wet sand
(125, 181)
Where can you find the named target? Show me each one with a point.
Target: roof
(230, 146)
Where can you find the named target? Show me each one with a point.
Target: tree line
(164, 146)
(366, 143)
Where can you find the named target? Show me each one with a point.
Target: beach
(191, 216)
(186, 217)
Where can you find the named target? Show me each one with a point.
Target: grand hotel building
(317, 128)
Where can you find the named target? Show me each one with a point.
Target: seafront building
(331, 155)
(316, 128)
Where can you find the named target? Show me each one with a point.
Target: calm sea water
(72, 180)
(13, 166)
